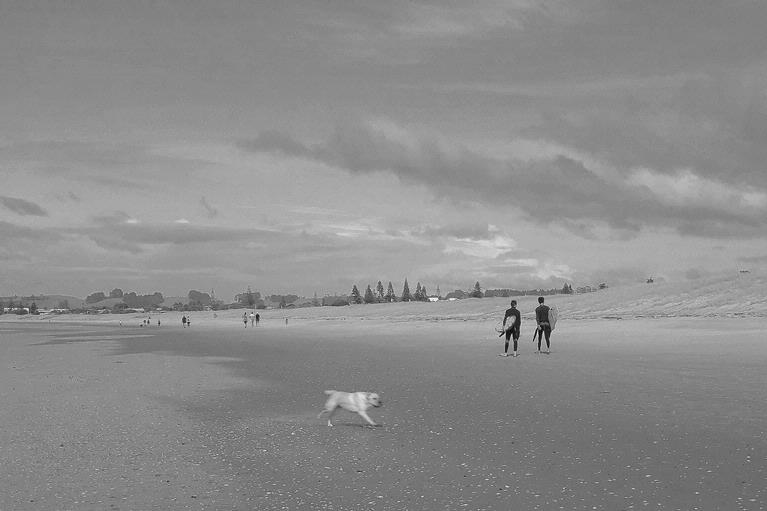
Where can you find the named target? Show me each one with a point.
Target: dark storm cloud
(715, 125)
(22, 207)
(561, 189)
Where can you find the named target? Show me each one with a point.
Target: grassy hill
(724, 295)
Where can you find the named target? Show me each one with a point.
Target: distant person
(514, 319)
(189, 321)
(252, 319)
(183, 321)
(286, 321)
(258, 318)
(158, 322)
(544, 327)
(245, 319)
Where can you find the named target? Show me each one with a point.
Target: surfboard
(553, 316)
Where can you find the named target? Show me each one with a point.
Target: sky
(306, 147)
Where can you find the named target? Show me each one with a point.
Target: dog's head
(374, 399)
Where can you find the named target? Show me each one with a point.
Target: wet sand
(630, 414)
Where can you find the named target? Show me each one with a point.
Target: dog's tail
(329, 392)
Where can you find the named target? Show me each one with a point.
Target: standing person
(252, 319)
(183, 321)
(245, 319)
(512, 330)
(258, 318)
(544, 327)
(189, 321)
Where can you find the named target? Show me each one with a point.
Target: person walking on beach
(258, 318)
(514, 320)
(183, 321)
(544, 327)
(252, 319)
(245, 319)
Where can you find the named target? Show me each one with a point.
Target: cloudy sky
(305, 147)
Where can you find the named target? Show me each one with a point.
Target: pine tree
(406, 296)
(369, 296)
(417, 295)
(380, 291)
(477, 293)
(356, 298)
(390, 296)
(424, 294)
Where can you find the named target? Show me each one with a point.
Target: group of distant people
(254, 319)
(145, 322)
(543, 327)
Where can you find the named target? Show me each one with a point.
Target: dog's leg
(331, 415)
(365, 416)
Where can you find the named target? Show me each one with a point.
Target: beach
(635, 413)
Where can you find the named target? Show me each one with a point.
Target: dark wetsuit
(512, 331)
(542, 318)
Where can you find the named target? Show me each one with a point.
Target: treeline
(20, 308)
(380, 296)
(128, 300)
(567, 289)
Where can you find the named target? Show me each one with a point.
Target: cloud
(22, 207)
(10, 232)
(566, 189)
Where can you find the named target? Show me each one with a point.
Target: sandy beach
(623, 414)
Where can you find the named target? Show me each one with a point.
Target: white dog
(353, 401)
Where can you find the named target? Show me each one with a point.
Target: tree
(424, 294)
(390, 296)
(95, 297)
(477, 292)
(250, 299)
(417, 295)
(380, 291)
(116, 293)
(406, 296)
(315, 301)
(356, 298)
(204, 299)
(369, 296)
(2, 308)
(64, 304)
(33, 308)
